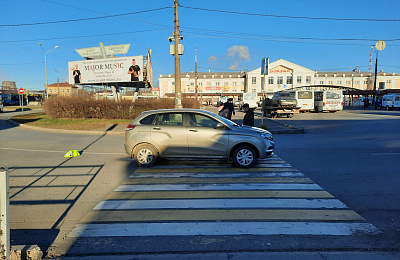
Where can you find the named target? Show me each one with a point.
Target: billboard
(118, 69)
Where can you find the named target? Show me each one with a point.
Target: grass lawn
(42, 120)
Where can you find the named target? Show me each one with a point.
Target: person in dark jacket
(228, 106)
(249, 116)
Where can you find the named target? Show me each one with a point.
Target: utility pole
(178, 95)
(195, 72)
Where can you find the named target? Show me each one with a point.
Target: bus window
(304, 95)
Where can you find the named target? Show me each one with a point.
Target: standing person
(135, 71)
(249, 116)
(229, 106)
(228, 109)
(366, 103)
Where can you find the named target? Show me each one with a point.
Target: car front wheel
(244, 157)
(145, 155)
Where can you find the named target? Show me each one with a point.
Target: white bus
(391, 101)
(328, 100)
(305, 99)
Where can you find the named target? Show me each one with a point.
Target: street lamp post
(58, 80)
(380, 45)
(45, 65)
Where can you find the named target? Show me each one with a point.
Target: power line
(83, 36)
(83, 19)
(213, 32)
(294, 17)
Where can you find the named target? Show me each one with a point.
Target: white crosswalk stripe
(212, 198)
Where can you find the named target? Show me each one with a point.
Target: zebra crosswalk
(211, 198)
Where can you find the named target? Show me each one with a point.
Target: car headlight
(267, 136)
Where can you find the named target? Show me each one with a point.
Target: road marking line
(221, 229)
(47, 151)
(218, 194)
(234, 186)
(212, 169)
(219, 204)
(214, 180)
(215, 175)
(193, 215)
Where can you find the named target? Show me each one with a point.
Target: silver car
(194, 133)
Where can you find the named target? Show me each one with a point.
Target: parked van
(249, 98)
(391, 101)
(305, 99)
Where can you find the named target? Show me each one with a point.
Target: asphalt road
(354, 155)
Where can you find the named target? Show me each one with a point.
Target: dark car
(283, 99)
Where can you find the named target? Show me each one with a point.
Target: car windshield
(285, 95)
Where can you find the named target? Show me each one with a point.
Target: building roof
(207, 75)
(353, 73)
(62, 85)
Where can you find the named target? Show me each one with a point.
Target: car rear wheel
(145, 155)
(244, 157)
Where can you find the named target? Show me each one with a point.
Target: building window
(226, 83)
(308, 79)
(321, 82)
(365, 82)
(253, 80)
(217, 83)
(200, 83)
(254, 90)
(67, 90)
(49, 90)
(330, 82)
(298, 79)
(270, 80)
(242, 83)
(173, 83)
(357, 82)
(289, 80)
(234, 83)
(208, 83)
(339, 82)
(348, 82)
(279, 80)
(388, 81)
(191, 83)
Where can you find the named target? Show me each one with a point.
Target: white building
(282, 75)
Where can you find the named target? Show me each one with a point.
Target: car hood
(251, 129)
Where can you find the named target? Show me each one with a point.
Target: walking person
(248, 118)
(227, 109)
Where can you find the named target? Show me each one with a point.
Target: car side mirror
(220, 126)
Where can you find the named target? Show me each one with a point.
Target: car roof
(171, 110)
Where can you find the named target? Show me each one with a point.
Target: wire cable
(83, 19)
(293, 17)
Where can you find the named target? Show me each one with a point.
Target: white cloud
(212, 58)
(241, 51)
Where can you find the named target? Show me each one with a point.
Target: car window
(148, 120)
(171, 119)
(201, 121)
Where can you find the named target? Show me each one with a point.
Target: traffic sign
(21, 91)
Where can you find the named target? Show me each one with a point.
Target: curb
(296, 130)
(105, 132)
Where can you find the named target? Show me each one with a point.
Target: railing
(5, 214)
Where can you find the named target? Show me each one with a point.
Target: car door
(170, 135)
(203, 139)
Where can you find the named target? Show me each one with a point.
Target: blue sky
(236, 35)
